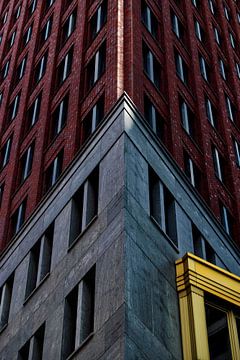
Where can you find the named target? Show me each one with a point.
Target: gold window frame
(195, 277)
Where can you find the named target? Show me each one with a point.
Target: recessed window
(232, 40)
(40, 68)
(69, 26)
(1, 192)
(45, 32)
(217, 36)
(84, 205)
(78, 321)
(226, 219)
(5, 69)
(196, 4)
(204, 68)
(5, 153)
(12, 39)
(93, 119)
(59, 117)
(26, 163)
(33, 348)
(149, 20)
(64, 68)
(5, 301)
(40, 260)
(237, 66)
(153, 118)
(181, 68)
(18, 218)
(192, 171)
(177, 26)
(32, 7)
(13, 108)
(162, 206)
(21, 69)
(98, 20)
(48, 4)
(187, 118)
(18, 12)
(223, 69)
(54, 171)
(96, 66)
(199, 31)
(151, 66)
(226, 13)
(237, 151)
(4, 17)
(33, 112)
(201, 247)
(211, 112)
(27, 36)
(231, 110)
(218, 163)
(1, 97)
(212, 7)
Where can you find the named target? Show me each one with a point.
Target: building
(119, 182)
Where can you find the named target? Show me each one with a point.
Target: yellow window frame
(195, 277)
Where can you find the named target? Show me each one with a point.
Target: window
(192, 171)
(84, 206)
(32, 7)
(21, 69)
(196, 4)
(238, 17)
(223, 69)
(177, 26)
(45, 32)
(226, 219)
(232, 40)
(231, 110)
(217, 36)
(69, 26)
(54, 171)
(26, 163)
(11, 40)
(151, 66)
(33, 348)
(237, 65)
(5, 153)
(64, 68)
(5, 69)
(5, 301)
(226, 13)
(18, 218)
(199, 31)
(218, 163)
(181, 68)
(162, 206)
(40, 68)
(201, 247)
(18, 12)
(13, 108)
(78, 314)
(96, 66)
(4, 17)
(59, 117)
(33, 112)
(98, 20)
(237, 151)
(211, 112)
(48, 4)
(93, 119)
(209, 311)
(27, 36)
(40, 261)
(212, 7)
(149, 20)
(153, 118)
(204, 68)
(1, 97)
(1, 192)
(187, 118)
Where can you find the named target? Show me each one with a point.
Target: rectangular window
(32, 7)
(84, 206)
(231, 110)
(223, 69)
(237, 151)
(40, 69)
(153, 118)
(237, 65)
(93, 119)
(211, 112)
(68, 27)
(226, 219)
(21, 69)
(45, 32)
(181, 68)
(18, 12)
(162, 206)
(204, 68)
(199, 31)
(27, 36)
(18, 218)
(33, 112)
(98, 20)
(96, 66)
(59, 117)
(192, 171)
(26, 163)
(1, 192)
(1, 97)
(5, 301)
(33, 348)
(79, 314)
(64, 68)
(212, 7)
(232, 40)
(151, 66)
(40, 260)
(217, 36)
(201, 247)
(5, 153)
(177, 26)
(187, 118)
(149, 20)
(13, 108)
(54, 171)
(218, 164)
(5, 69)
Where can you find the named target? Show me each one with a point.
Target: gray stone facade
(136, 312)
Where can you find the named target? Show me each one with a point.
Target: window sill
(36, 288)
(80, 346)
(165, 235)
(82, 233)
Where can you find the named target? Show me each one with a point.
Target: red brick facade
(123, 34)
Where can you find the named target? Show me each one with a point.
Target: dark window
(5, 153)
(33, 112)
(26, 163)
(201, 247)
(33, 348)
(236, 146)
(69, 26)
(32, 7)
(18, 218)
(64, 68)
(151, 66)
(177, 26)
(204, 68)
(13, 108)
(211, 112)
(5, 301)
(27, 36)
(40, 69)
(59, 117)
(5, 69)
(162, 206)
(187, 118)
(153, 118)
(199, 31)
(40, 260)
(149, 20)
(98, 20)
(231, 110)
(93, 119)
(192, 172)
(84, 205)
(219, 164)
(181, 68)
(78, 314)
(1, 192)
(54, 171)
(226, 219)
(45, 32)
(96, 66)
(21, 70)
